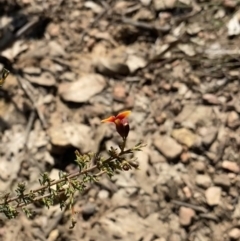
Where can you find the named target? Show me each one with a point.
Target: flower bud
(122, 127)
(126, 166)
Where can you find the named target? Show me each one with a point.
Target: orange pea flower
(121, 123)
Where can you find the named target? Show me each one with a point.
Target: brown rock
(53, 235)
(230, 3)
(129, 102)
(103, 194)
(187, 192)
(89, 209)
(203, 181)
(234, 233)
(160, 239)
(32, 71)
(208, 134)
(193, 114)
(45, 79)
(156, 157)
(53, 29)
(213, 195)
(230, 166)
(233, 120)
(119, 92)
(135, 62)
(71, 134)
(160, 119)
(211, 99)
(222, 180)
(145, 2)
(168, 147)
(82, 90)
(186, 215)
(108, 65)
(185, 157)
(163, 4)
(184, 136)
(174, 237)
(200, 166)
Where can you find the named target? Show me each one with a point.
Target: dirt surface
(175, 64)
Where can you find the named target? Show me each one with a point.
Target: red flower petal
(109, 119)
(123, 114)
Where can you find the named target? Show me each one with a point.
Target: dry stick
(29, 126)
(189, 205)
(36, 107)
(9, 37)
(185, 17)
(144, 25)
(209, 216)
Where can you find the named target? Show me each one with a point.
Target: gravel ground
(174, 64)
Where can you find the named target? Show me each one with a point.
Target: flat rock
(231, 166)
(163, 4)
(193, 115)
(213, 195)
(156, 157)
(71, 134)
(32, 70)
(103, 194)
(146, 2)
(234, 233)
(229, 3)
(208, 134)
(82, 90)
(186, 215)
(203, 181)
(210, 99)
(168, 146)
(119, 92)
(108, 65)
(233, 120)
(187, 192)
(174, 237)
(135, 62)
(222, 180)
(200, 166)
(184, 136)
(45, 79)
(88, 209)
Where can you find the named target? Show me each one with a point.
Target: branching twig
(68, 184)
(69, 176)
(63, 190)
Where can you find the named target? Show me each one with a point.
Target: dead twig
(25, 88)
(29, 126)
(9, 37)
(144, 25)
(189, 205)
(157, 56)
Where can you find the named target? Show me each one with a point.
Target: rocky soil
(174, 64)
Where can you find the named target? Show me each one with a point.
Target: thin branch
(49, 194)
(69, 176)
